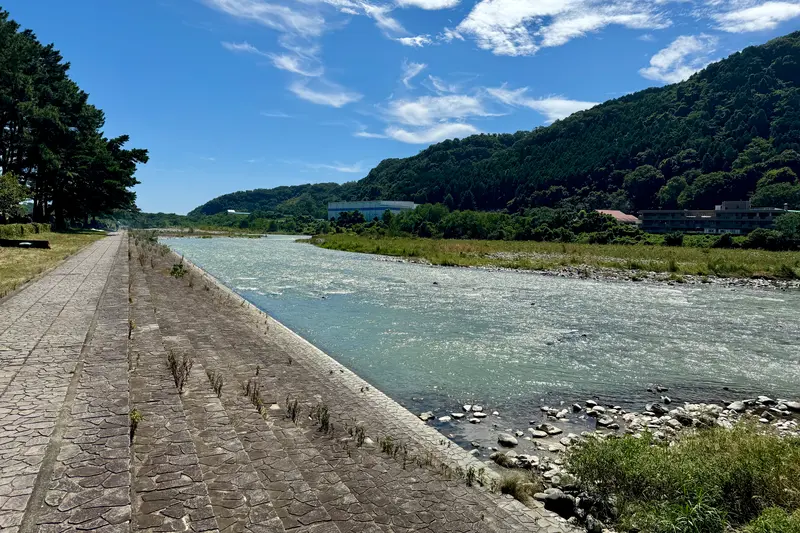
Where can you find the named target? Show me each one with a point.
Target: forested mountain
(290, 200)
(52, 147)
(730, 132)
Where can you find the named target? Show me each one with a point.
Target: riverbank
(537, 442)
(20, 265)
(677, 265)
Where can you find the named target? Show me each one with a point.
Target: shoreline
(573, 264)
(595, 273)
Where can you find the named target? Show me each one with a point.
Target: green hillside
(729, 132)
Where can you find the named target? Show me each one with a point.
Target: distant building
(738, 218)
(235, 212)
(619, 216)
(370, 210)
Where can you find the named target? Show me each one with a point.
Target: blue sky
(239, 94)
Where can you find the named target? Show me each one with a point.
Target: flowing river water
(439, 337)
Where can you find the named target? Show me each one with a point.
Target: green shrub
(673, 239)
(775, 520)
(19, 231)
(723, 241)
(713, 478)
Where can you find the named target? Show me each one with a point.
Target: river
(438, 337)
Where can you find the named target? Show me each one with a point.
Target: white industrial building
(370, 210)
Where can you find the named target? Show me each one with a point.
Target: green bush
(673, 239)
(775, 520)
(704, 482)
(19, 231)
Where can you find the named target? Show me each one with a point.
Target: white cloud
(418, 40)
(552, 107)
(243, 47)
(448, 35)
(295, 64)
(410, 70)
(428, 4)
(566, 28)
(522, 27)
(428, 110)
(686, 55)
(333, 96)
(440, 86)
(766, 16)
(277, 17)
(433, 134)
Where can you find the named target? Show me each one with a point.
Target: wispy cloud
(275, 114)
(427, 110)
(552, 107)
(333, 95)
(244, 47)
(206, 158)
(428, 4)
(683, 57)
(355, 168)
(440, 86)
(296, 64)
(766, 16)
(278, 17)
(369, 135)
(410, 70)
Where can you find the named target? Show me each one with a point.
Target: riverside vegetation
(694, 468)
(672, 262)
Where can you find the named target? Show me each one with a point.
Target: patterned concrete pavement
(87, 345)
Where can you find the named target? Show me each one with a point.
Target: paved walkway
(288, 441)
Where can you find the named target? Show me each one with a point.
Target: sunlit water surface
(512, 340)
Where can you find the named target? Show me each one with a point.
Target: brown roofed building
(619, 216)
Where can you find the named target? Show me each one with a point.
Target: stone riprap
(268, 434)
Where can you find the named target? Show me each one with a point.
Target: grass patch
(19, 265)
(521, 486)
(530, 255)
(710, 481)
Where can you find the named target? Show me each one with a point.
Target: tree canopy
(51, 138)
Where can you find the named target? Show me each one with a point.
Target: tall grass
(549, 255)
(706, 482)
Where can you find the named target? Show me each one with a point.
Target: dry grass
(529, 255)
(20, 265)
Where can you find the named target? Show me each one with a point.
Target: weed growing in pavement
(216, 381)
(180, 366)
(321, 414)
(135, 418)
(292, 409)
(178, 270)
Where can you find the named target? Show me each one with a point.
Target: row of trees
(547, 224)
(51, 138)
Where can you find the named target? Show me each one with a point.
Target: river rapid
(434, 338)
